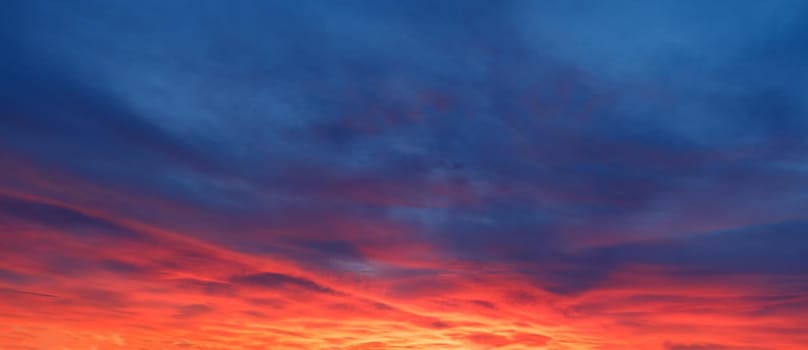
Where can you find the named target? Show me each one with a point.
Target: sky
(460, 175)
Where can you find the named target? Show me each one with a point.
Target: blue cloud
(520, 133)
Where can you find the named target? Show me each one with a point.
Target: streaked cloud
(403, 175)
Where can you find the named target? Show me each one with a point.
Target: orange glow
(182, 295)
(160, 289)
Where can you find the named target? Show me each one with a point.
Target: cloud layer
(403, 175)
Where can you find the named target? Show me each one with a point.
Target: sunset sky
(403, 174)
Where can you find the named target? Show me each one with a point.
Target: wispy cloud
(403, 175)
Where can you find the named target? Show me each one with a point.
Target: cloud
(14, 277)
(205, 287)
(25, 292)
(767, 249)
(281, 281)
(674, 346)
(54, 216)
(491, 340)
(192, 310)
(403, 174)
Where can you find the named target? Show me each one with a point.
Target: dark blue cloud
(282, 282)
(63, 219)
(14, 277)
(540, 136)
(774, 251)
(769, 249)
